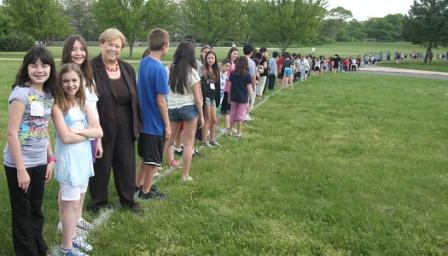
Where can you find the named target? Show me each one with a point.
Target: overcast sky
(364, 9)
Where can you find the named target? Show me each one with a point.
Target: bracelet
(51, 158)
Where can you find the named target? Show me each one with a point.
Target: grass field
(343, 164)
(343, 49)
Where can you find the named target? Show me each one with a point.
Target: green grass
(436, 65)
(343, 49)
(344, 164)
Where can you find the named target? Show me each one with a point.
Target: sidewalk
(404, 72)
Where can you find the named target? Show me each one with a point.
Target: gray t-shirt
(33, 131)
(252, 68)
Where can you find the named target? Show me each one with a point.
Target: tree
(133, 17)
(335, 24)
(385, 29)
(289, 21)
(5, 22)
(81, 17)
(427, 24)
(40, 18)
(213, 20)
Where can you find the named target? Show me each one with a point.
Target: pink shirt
(227, 84)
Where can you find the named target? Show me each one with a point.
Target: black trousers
(271, 84)
(118, 154)
(26, 211)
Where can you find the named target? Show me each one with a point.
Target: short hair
(275, 54)
(111, 34)
(158, 38)
(248, 49)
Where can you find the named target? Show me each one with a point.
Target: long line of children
(174, 102)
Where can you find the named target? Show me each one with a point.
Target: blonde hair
(158, 38)
(111, 34)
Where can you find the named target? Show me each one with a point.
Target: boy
(153, 89)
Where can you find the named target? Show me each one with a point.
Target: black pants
(271, 79)
(26, 211)
(119, 154)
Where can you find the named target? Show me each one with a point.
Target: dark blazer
(107, 104)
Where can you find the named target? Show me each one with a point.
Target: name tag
(212, 86)
(37, 108)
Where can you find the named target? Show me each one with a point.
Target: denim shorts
(288, 72)
(210, 101)
(185, 113)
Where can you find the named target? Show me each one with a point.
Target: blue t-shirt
(238, 91)
(152, 81)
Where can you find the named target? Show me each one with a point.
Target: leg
(99, 184)
(212, 122)
(188, 139)
(206, 126)
(170, 143)
(69, 220)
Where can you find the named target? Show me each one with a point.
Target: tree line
(276, 22)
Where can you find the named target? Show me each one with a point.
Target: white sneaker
(248, 118)
(81, 244)
(187, 178)
(83, 224)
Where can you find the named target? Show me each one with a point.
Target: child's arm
(93, 129)
(197, 95)
(50, 163)
(66, 136)
(16, 111)
(163, 108)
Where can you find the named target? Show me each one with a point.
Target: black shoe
(136, 209)
(152, 195)
(195, 152)
(94, 209)
(155, 189)
(178, 151)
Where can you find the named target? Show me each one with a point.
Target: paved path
(404, 72)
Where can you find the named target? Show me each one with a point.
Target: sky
(364, 9)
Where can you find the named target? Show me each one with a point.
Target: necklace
(113, 69)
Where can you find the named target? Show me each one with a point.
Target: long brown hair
(86, 69)
(211, 72)
(241, 66)
(60, 98)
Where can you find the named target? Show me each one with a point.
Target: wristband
(51, 158)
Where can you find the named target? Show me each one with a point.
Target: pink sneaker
(174, 164)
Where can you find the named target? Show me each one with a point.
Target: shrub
(11, 43)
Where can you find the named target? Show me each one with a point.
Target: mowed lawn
(343, 164)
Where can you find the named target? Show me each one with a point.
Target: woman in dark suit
(118, 112)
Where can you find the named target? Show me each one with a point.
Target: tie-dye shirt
(33, 131)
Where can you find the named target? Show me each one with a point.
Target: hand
(168, 133)
(99, 150)
(23, 179)
(49, 171)
(201, 121)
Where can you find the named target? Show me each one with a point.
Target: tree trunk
(428, 52)
(131, 48)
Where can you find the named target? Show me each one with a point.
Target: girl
(211, 87)
(240, 89)
(28, 156)
(184, 102)
(75, 51)
(200, 63)
(288, 74)
(75, 122)
(232, 56)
